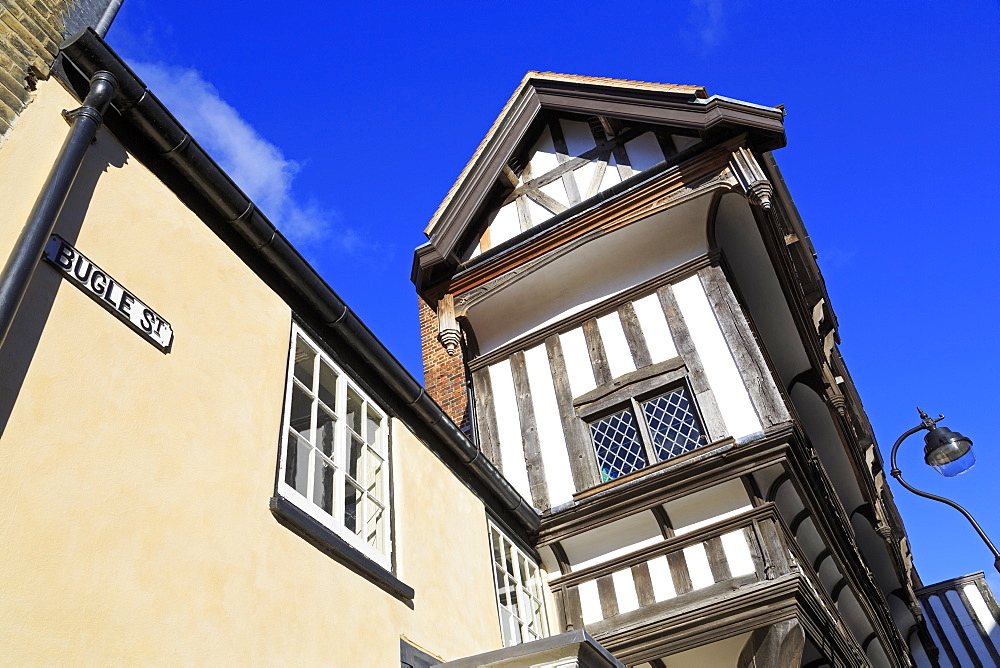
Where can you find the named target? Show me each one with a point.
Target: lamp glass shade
(948, 452)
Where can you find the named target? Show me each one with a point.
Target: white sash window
(334, 449)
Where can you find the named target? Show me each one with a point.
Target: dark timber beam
(777, 646)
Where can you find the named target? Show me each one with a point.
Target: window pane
(354, 411)
(374, 423)
(616, 441)
(353, 507)
(325, 431)
(300, 413)
(535, 623)
(525, 577)
(323, 485)
(373, 529)
(510, 628)
(297, 464)
(375, 475)
(672, 424)
(495, 544)
(513, 596)
(355, 452)
(304, 360)
(327, 385)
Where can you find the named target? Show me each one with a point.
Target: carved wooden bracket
(449, 334)
(752, 179)
(780, 644)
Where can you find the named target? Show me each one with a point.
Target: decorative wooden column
(449, 334)
(752, 179)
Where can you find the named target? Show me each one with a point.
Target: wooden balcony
(714, 582)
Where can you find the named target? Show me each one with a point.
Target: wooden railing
(735, 552)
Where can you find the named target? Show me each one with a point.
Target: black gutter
(140, 109)
(27, 251)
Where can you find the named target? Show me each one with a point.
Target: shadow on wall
(19, 348)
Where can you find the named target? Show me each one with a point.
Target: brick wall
(444, 374)
(30, 34)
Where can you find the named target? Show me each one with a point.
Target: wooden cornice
(664, 483)
(731, 613)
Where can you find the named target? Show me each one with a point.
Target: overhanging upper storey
(564, 142)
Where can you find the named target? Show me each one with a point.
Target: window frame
(629, 392)
(517, 553)
(344, 384)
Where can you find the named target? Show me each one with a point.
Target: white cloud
(709, 22)
(257, 166)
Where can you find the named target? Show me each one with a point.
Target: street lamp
(950, 454)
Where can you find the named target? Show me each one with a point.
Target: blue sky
(348, 122)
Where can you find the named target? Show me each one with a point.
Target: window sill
(335, 547)
(704, 452)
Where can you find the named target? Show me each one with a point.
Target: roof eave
(685, 107)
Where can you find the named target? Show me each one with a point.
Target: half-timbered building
(620, 302)
(637, 444)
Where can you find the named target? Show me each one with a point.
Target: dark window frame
(628, 393)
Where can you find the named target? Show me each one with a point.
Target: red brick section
(444, 374)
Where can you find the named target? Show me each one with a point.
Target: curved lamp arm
(898, 475)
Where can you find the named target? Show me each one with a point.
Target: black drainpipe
(29, 246)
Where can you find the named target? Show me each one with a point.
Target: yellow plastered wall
(134, 521)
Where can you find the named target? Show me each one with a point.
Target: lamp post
(950, 454)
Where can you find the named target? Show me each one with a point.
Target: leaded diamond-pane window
(648, 431)
(673, 426)
(619, 448)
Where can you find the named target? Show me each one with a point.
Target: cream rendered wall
(135, 526)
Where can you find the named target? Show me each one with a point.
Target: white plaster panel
(919, 653)
(509, 428)
(730, 393)
(698, 567)
(734, 545)
(950, 632)
(625, 594)
(552, 441)
(943, 659)
(981, 611)
(543, 155)
(612, 540)
(965, 619)
(590, 602)
(615, 344)
(536, 212)
(719, 654)
(663, 582)
(591, 272)
(655, 329)
(706, 506)
(644, 152)
(577, 358)
(681, 142)
(584, 175)
(557, 191)
(611, 176)
(579, 138)
(505, 225)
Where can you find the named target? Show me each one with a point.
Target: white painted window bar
(519, 591)
(334, 451)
